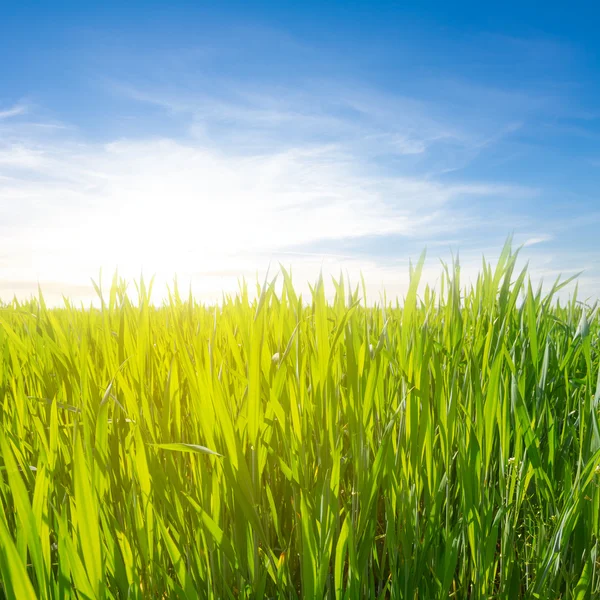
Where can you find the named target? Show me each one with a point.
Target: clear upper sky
(209, 139)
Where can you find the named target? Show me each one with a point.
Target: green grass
(445, 447)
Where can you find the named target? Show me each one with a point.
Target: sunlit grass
(295, 448)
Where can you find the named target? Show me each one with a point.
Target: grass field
(286, 447)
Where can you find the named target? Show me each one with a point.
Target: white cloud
(155, 203)
(14, 111)
(540, 239)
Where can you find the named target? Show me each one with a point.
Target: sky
(208, 141)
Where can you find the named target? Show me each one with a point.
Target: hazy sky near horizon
(208, 140)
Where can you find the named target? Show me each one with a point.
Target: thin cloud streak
(15, 111)
(532, 241)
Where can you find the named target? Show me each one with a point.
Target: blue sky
(210, 139)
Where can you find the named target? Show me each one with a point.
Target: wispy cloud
(169, 194)
(14, 111)
(364, 119)
(540, 239)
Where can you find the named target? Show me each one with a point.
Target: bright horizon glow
(144, 147)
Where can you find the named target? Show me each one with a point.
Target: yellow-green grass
(445, 446)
